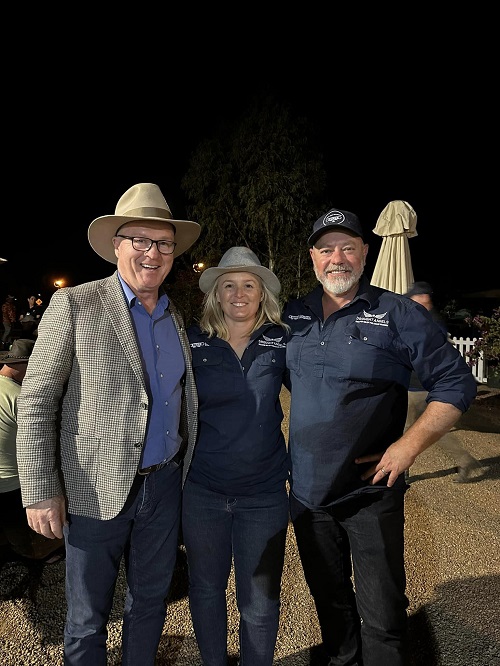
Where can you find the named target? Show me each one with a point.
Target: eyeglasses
(144, 244)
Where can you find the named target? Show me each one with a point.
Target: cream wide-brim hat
(142, 202)
(239, 260)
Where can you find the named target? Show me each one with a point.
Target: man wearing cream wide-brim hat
(141, 202)
(112, 357)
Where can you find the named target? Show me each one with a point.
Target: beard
(339, 282)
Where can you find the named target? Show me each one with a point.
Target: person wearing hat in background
(235, 504)
(350, 355)
(422, 292)
(16, 532)
(110, 393)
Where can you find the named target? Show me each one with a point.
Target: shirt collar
(130, 296)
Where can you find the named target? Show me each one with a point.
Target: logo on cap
(333, 217)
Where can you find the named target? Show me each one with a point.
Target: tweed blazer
(83, 406)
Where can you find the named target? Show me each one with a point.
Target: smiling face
(144, 271)
(339, 260)
(239, 295)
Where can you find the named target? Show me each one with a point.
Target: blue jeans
(146, 534)
(366, 626)
(251, 530)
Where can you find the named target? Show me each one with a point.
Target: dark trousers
(146, 534)
(251, 531)
(364, 624)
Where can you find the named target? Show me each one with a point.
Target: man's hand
(390, 463)
(48, 517)
(435, 422)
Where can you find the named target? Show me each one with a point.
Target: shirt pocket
(369, 352)
(204, 357)
(295, 348)
(214, 378)
(272, 361)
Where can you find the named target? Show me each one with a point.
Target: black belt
(154, 468)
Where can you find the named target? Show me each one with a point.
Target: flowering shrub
(488, 343)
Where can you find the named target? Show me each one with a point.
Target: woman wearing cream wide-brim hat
(235, 504)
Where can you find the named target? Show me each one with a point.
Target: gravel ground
(452, 560)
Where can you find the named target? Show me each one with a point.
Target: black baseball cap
(336, 219)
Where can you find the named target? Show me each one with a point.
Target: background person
(9, 317)
(350, 355)
(30, 318)
(112, 358)
(21, 539)
(235, 502)
(421, 292)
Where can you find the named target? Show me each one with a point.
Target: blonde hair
(212, 318)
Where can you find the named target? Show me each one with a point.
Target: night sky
(382, 138)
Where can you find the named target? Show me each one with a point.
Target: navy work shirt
(240, 448)
(349, 381)
(415, 383)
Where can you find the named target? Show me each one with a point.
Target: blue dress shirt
(164, 367)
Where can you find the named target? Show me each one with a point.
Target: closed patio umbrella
(396, 224)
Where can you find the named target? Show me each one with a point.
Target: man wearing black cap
(352, 350)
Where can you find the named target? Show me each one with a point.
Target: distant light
(198, 267)
(3, 261)
(58, 284)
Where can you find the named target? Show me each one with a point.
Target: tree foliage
(259, 182)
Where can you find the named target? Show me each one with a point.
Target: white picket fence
(480, 369)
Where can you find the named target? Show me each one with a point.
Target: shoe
(464, 473)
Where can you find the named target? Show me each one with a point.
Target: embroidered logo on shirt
(196, 345)
(373, 319)
(301, 316)
(272, 342)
